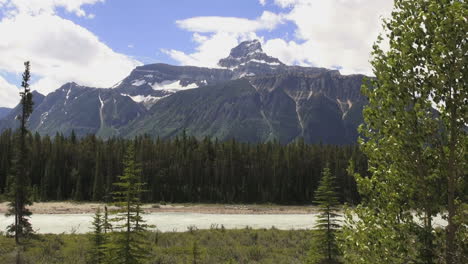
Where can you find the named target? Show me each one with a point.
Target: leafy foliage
(414, 136)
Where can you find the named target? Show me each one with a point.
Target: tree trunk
(451, 178)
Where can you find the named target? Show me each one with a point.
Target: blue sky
(141, 28)
(98, 42)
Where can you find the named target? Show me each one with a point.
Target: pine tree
(324, 243)
(106, 225)
(98, 185)
(128, 244)
(19, 184)
(98, 239)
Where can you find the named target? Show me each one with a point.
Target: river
(176, 222)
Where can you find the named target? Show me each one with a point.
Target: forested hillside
(182, 169)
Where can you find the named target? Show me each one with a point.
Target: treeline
(183, 169)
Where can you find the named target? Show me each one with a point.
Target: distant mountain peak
(246, 48)
(248, 52)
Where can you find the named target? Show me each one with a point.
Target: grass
(216, 245)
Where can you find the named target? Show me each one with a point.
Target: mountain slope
(83, 109)
(224, 111)
(10, 121)
(4, 111)
(256, 109)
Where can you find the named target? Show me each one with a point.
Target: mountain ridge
(253, 98)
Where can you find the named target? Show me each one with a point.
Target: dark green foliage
(106, 225)
(184, 169)
(18, 186)
(98, 186)
(98, 239)
(127, 245)
(324, 243)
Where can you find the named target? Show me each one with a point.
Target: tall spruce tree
(324, 248)
(19, 184)
(415, 137)
(98, 239)
(128, 244)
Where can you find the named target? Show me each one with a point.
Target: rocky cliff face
(253, 97)
(249, 52)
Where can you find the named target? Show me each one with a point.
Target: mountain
(257, 109)
(149, 83)
(10, 121)
(84, 109)
(4, 111)
(264, 100)
(252, 97)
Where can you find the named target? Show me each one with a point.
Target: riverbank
(89, 208)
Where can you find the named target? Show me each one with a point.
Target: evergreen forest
(182, 169)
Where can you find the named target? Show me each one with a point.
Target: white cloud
(9, 95)
(36, 7)
(332, 32)
(288, 3)
(210, 49)
(328, 33)
(59, 50)
(262, 2)
(216, 36)
(288, 52)
(214, 24)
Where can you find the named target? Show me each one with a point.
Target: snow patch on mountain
(265, 62)
(147, 101)
(43, 117)
(138, 82)
(174, 85)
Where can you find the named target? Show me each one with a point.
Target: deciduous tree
(414, 136)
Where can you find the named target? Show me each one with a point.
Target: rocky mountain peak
(246, 48)
(248, 52)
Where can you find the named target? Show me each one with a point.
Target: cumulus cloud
(332, 33)
(9, 95)
(328, 33)
(288, 3)
(215, 24)
(262, 2)
(36, 7)
(210, 49)
(216, 36)
(59, 50)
